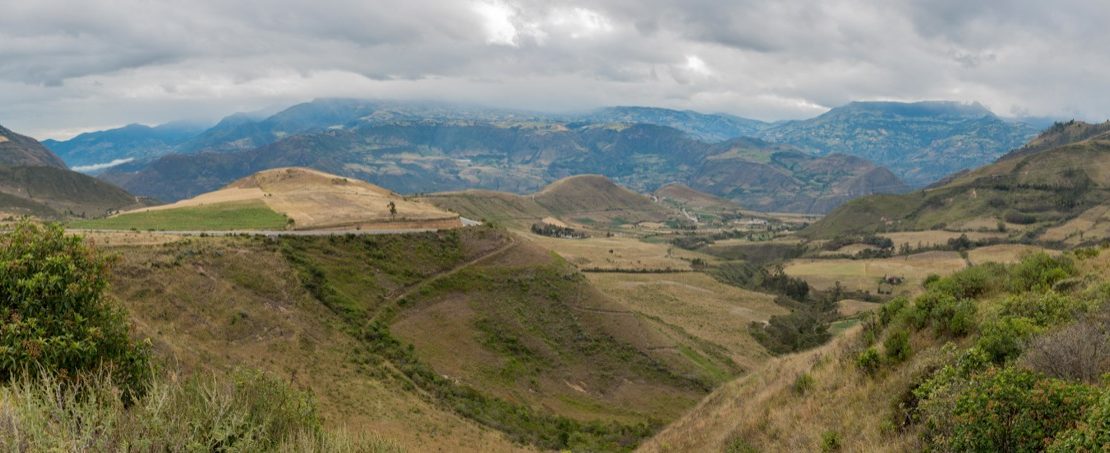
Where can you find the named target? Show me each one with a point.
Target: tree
(55, 315)
(392, 209)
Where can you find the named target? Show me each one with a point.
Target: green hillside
(248, 215)
(1036, 191)
(57, 193)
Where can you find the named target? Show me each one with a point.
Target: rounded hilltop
(292, 198)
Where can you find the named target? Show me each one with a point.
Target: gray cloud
(68, 66)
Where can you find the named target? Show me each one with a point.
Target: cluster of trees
(555, 231)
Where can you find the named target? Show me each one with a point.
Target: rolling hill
(588, 199)
(1054, 189)
(920, 142)
(706, 127)
(294, 198)
(35, 182)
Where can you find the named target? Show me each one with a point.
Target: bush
(1004, 339)
(1014, 410)
(1092, 434)
(1079, 351)
(889, 310)
(803, 383)
(55, 314)
(869, 361)
(1039, 271)
(897, 346)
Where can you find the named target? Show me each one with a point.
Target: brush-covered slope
(19, 150)
(309, 199)
(590, 199)
(920, 142)
(1046, 185)
(766, 177)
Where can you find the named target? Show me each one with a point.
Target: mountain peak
(21, 150)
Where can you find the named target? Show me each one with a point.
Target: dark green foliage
(555, 231)
(830, 441)
(797, 331)
(897, 346)
(772, 279)
(55, 314)
(869, 361)
(1012, 410)
(1039, 272)
(1091, 434)
(889, 310)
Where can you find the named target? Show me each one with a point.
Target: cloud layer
(68, 66)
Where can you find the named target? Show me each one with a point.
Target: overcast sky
(71, 66)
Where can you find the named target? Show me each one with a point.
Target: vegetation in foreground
(252, 215)
(992, 358)
(72, 379)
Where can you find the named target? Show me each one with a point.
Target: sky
(73, 66)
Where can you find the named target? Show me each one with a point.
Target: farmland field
(242, 215)
(863, 275)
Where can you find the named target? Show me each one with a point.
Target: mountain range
(427, 147)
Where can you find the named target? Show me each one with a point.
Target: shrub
(1004, 339)
(897, 346)
(869, 361)
(1039, 271)
(1014, 410)
(830, 441)
(55, 314)
(889, 310)
(1090, 435)
(803, 384)
(1043, 309)
(1079, 351)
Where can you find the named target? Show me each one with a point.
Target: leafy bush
(55, 314)
(897, 346)
(869, 361)
(1044, 310)
(1039, 271)
(1092, 434)
(1014, 410)
(1004, 339)
(889, 310)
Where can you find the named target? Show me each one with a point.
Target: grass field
(936, 237)
(243, 215)
(696, 310)
(617, 252)
(863, 275)
(1003, 253)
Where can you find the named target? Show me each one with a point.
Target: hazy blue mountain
(430, 156)
(706, 127)
(95, 151)
(920, 142)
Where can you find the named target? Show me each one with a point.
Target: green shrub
(1014, 410)
(1092, 434)
(1005, 339)
(803, 384)
(889, 310)
(1039, 271)
(1045, 309)
(830, 441)
(897, 346)
(869, 361)
(55, 314)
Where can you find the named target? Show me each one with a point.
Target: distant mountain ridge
(705, 127)
(421, 157)
(131, 142)
(920, 142)
(21, 150)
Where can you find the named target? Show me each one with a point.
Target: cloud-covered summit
(67, 66)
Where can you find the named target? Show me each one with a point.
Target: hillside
(1056, 189)
(706, 127)
(423, 157)
(920, 142)
(683, 194)
(308, 199)
(765, 177)
(588, 199)
(19, 150)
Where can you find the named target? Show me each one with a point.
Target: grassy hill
(52, 192)
(287, 198)
(459, 340)
(586, 199)
(992, 358)
(1038, 189)
(22, 151)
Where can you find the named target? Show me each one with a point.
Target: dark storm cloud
(72, 65)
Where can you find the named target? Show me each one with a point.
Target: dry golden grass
(698, 305)
(627, 252)
(127, 237)
(763, 412)
(852, 307)
(863, 275)
(936, 237)
(1092, 224)
(1004, 253)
